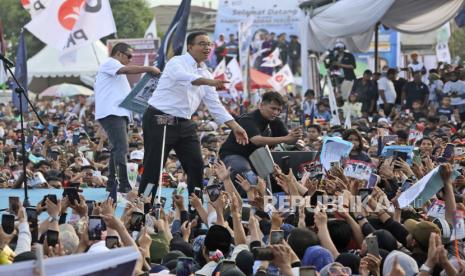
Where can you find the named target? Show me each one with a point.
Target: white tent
(353, 21)
(45, 68)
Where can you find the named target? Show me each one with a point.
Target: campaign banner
(333, 150)
(358, 169)
(137, 100)
(271, 16)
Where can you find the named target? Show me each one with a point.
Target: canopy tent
(45, 68)
(353, 21)
(66, 90)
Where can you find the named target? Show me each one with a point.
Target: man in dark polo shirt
(263, 127)
(415, 90)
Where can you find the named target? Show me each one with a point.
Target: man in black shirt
(415, 90)
(263, 127)
(367, 92)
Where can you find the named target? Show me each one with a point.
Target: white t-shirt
(110, 90)
(389, 90)
(457, 86)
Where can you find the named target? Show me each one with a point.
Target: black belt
(159, 112)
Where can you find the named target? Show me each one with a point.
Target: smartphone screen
(8, 223)
(198, 192)
(90, 206)
(400, 155)
(156, 211)
(251, 177)
(31, 214)
(213, 192)
(72, 194)
(184, 216)
(148, 189)
(448, 151)
(372, 181)
(245, 213)
(407, 184)
(13, 202)
(372, 245)
(276, 236)
(137, 219)
(285, 164)
(262, 254)
(95, 228)
(184, 266)
(52, 238)
(307, 271)
(147, 207)
(111, 242)
(315, 196)
(51, 197)
(162, 201)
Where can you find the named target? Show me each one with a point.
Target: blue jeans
(116, 129)
(239, 164)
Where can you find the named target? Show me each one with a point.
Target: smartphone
(31, 214)
(148, 189)
(184, 266)
(156, 211)
(315, 196)
(227, 265)
(51, 197)
(407, 184)
(13, 205)
(213, 192)
(363, 193)
(285, 164)
(276, 237)
(251, 177)
(54, 155)
(198, 192)
(448, 151)
(400, 155)
(245, 213)
(75, 185)
(8, 223)
(90, 206)
(147, 207)
(136, 222)
(372, 245)
(162, 201)
(52, 238)
(262, 254)
(72, 194)
(373, 180)
(307, 271)
(334, 164)
(111, 242)
(95, 228)
(416, 156)
(184, 216)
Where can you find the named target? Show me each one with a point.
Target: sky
(177, 2)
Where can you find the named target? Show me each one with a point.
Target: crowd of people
(229, 227)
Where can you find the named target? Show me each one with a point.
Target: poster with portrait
(136, 101)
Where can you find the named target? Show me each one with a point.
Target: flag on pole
(333, 105)
(20, 73)
(67, 25)
(151, 31)
(282, 78)
(272, 60)
(3, 75)
(173, 42)
(348, 119)
(220, 70)
(233, 73)
(35, 7)
(245, 39)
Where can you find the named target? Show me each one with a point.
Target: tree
(131, 18)
(457, 42)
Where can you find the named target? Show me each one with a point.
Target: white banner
(35, 7)
(271, 15)
(220, 70)
(245, 39)
(272, 60)
(3, 75)
(67, 25)
(233, 73)
(151, 31)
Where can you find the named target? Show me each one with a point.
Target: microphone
(8, 62)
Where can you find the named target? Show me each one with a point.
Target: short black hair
(273, 96)
(317, 127)
(309, 92)
(191, 37)
(120, 47)
(368, 72)
(300, 239)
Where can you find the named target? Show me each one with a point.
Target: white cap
(339, 44)
(137, 155)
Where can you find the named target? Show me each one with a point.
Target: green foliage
(132, 17)
(457, 42)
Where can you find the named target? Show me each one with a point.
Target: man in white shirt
(184, 84)
(387, 91)
(111, 88)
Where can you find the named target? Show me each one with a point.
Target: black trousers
(183, 138)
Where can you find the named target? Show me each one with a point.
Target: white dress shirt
(175, 95)
(110, 90)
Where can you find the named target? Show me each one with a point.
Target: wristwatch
(359, 217)
(425, 268)
(53, 219)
